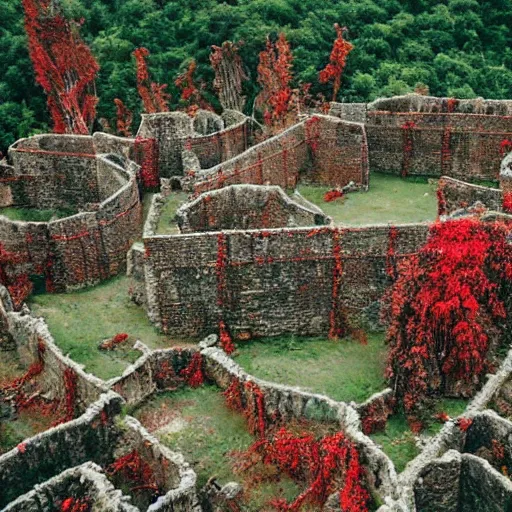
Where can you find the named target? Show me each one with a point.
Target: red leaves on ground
(332, 195)
(64, 66)
(337, 61)
(113, 342)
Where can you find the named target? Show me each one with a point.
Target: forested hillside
(459, 48)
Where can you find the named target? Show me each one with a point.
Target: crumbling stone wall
(456, 195)
(506, 174)
(246, 207)
(322, 150)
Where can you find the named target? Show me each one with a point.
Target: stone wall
(268, 282)
(506, 174)
(174, 131)
(85, 248)
(322, 150)
(86, 480)
(456, 195)
(246, 207)
(420, 135)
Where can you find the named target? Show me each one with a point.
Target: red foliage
(191, 94)
(70, 380)
(391, 270)
(275, 75)
(443, 307)
(505, 146)
(464, 424)
(337, 61)
(226, 341)
(229, 75)
(312, 127)
(335, 329)
(441, 201)
(332, 195)
(18, 285)
(146, 155)
(124, 119)
(233, 396)
(114, 341)
(507, 202)
(153, 95)
(136, 470)
(327, 464)
(22, 447)
(255, 414)
(193, 373)
(64, 66)
(75, 505)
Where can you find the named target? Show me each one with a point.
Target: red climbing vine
(193, 373)
(337, 61)
(445, 306)
(75, 505)
(124, 119)
(191, 92)
(505, 147)
(274, 76)
(507, 202)
(153, 95)
(146, 155)
(336, 330)
(64, 66)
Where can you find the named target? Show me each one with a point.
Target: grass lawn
(167, 224)
(80, 320)
(33, 215)
(344, 370)
(399, 443)
(390, 199)
(197, 423)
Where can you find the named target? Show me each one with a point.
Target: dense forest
(459, 48)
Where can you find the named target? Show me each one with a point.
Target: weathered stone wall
(246, 207)
(322, 149)
(87, 247)
(86, 480)
(354, 112)
(456, 194)
(174, 131)
(54, 171)
(269, 282)
(506, 174)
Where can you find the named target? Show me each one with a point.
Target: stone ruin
(240, 231)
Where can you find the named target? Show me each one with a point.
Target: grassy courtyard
(79, 321)
(33, 215)
(197, 423)
(390, 199)
(166, 223)
(344, 370)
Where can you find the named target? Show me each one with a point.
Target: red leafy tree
(337, 61)
(64, 66)
(124, 119)
(275, 76)
(153, 95)
(446, 310)
(191, 92)
(229, 75)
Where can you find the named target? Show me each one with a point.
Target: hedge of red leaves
(75, 505)
(446, 303)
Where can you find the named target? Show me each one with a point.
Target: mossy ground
(399, 443)
(344, 370)
(33, 215)
(197, 423)
(79, 321)
(166, 223)
(390, 199)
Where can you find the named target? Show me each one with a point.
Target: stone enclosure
(250, 258)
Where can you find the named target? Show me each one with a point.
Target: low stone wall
(269, 282)
(506, 174)
(86, 480)
(353, 112)
(322, 149)
(246, 207)
(455, 195)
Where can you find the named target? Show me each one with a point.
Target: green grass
(390, 199)
(33, 215)
(344, 370)
(167, 224)
(197, 423)
(80, 320)
(399, 443)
